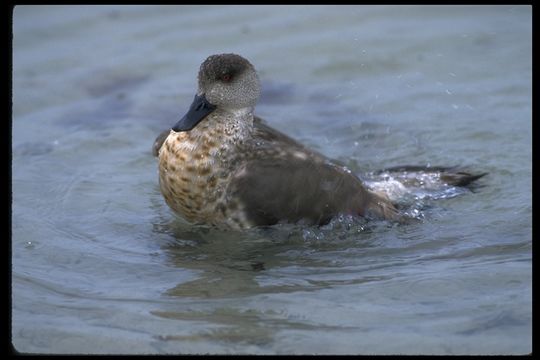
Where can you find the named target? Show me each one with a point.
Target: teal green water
(101, 265)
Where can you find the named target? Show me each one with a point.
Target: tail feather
(380, 204)
(460, 178)
(450, 175)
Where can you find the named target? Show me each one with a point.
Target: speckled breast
(189, 177)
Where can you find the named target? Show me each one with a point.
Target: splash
(412, 190)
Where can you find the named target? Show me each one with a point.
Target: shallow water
(101, 265)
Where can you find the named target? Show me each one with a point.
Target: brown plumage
(223, 166)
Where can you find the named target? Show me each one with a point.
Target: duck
(223, 166)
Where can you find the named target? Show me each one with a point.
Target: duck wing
(283, 180)
(159, 141)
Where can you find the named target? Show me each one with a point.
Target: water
(101, 265)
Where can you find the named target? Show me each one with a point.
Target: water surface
(101, 265)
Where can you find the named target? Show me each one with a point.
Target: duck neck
(233, 125)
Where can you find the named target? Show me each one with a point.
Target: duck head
(227, 82)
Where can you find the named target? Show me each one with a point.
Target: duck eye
(226, 77)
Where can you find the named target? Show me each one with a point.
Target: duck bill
(199, 109)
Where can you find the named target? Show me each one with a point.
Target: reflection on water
(101, 265)
(264, 265)
(272, 260)
(277, 260)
